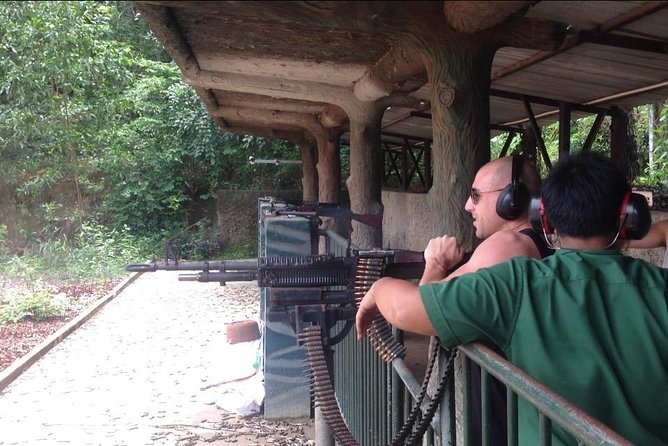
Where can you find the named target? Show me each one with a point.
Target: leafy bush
(3, 238)
(245, 250)
(37, 305)
(95, 253)
(197, 242)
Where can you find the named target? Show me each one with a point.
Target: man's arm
(496, 249)
(657, 237)
(399, 302)
(440, 255)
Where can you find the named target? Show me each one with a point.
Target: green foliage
(3, 239)
(59, 66)
(95, 253)
(94, 112)
(173, 156)
(198, 242)
(38, 305)
(244, 250)
(654, 168)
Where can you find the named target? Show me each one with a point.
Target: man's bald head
(500, 173)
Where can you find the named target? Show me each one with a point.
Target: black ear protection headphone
(514, 198)
(634, 217)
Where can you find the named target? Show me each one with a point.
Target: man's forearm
(400, 303)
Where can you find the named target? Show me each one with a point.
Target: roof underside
(614, 54)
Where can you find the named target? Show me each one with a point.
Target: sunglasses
(475, 194)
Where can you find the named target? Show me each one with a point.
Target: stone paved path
(145, 370)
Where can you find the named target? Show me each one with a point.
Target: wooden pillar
(366, 170)
(620, 143)
(329, 165)
(529, 144)
(308, 148)
(458, 68)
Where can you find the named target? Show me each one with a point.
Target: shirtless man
(498, 202)
(657, 237)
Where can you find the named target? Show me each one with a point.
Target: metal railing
(551, 407)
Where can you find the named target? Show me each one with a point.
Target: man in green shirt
(588, 322)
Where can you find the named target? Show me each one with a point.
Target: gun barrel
(223, 265)
(140, 267)
(220, 276)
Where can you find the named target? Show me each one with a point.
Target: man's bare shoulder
(503, 245)
(498, 248)
(509, 238)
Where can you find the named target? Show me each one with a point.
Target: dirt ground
(17, 339)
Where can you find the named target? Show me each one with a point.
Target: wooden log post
(329, 165)
(459, 70)
(620, 143)
(529, 144)
(366, 170)
(308, 149)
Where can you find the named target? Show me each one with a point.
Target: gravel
(208, 305)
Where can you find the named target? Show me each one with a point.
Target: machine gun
(320, 290)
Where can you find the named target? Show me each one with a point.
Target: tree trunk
(329, 166)
(652, 124)
(458, 67)
(620, 142)
(366, 170)
(309, 171)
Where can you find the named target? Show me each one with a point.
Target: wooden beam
(504, 128)
(399, 64)
(363, 16)
(422, 115)
(167, 30)
(506, 144)
(400, 136)
(271, 118)
(564, 129)
(628, 42)
(475, 16)
(269, 86)
(546, 101)
(537, 135)
(532, 33)
(591, 136)
(235, 99)
(294, 137)
(402, 117)
(207, 97)
(333, 116)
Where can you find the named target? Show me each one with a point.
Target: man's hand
(366, 313)
(441, 254)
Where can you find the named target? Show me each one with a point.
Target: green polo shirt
(590, 325)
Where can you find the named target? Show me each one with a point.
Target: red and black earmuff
(634, 217)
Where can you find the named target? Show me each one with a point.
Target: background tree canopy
(97, 125)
